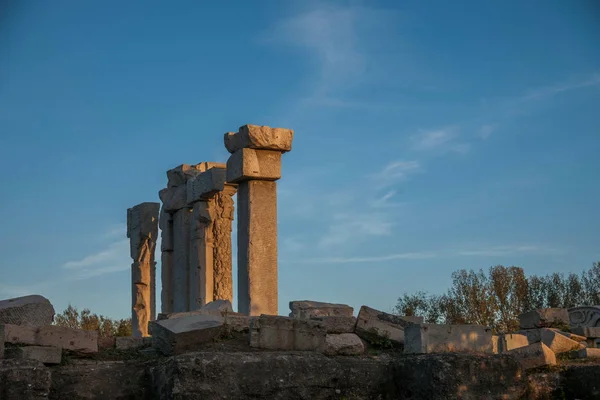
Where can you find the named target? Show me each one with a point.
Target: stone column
(255, 165)
(142, 230)
(211, 199)
(165, 224)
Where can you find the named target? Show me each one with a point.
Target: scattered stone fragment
(544, 318)
(259, 137)
(132, 342)
(510, 341)
(434, 338)
(52, 335)
(285, 333)
(43, 354)
(556, 342)
(534, 355)
(588, 331)
(32, 310)
(345, 344)
(180, 335)
(306, 309)
(337, 323)
(374, 325)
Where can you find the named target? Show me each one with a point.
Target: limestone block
(247, 164)
(174, 198)
(593, 343)
(27, 310)
(588, 332)
(337, 323)
(259, 137)
(179, 175)
(510, 341)
(344, 344)
(165, 223)
(585, 316)
(571, 336)
(434, 338)
(534, 355)
(544, 318)
(556, 342)
(305, 309)
(588, 353)
(180, 260)
(142, 224)
(222, 256)
(105, 343)
(217, 308)
(237, 322)
(205, 185)
(52, 335)
(373, 325)
(285, 333)
(43, 354)
(181, 335)
(495, 340)
(130, 342)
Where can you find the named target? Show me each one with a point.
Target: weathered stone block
(237, 322)
(337, 323)
(344, 344)
(588, 331)
(544, 318)
(142, 223)
(24, 380)
(373, 325)
(284, 333)
(248, 164)
(217, 308)
(180, 335)
(534, 355)
(510, 341)
(52, 335)
(43, 354)
(588, 353)
(174, 198)
(306, 309)
(556, 342)
(585, 316)
(179, 175)
(495, 346)
(205, 185)
(259, 137)
(105, 343)
(572, 336)
(130, 342)
(433, 338)
(32, 310)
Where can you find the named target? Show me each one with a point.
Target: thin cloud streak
(549, 91)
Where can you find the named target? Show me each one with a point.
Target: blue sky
(430, 136)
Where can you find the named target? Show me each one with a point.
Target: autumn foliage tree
(496, 298)
(85, 320)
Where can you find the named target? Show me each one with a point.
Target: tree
(88, 321)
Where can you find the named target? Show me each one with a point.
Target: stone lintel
(250, 164)
(179, 175)
(260, 138)
(205, 185)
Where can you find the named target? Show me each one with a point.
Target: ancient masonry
(196, 219)
(142, 230)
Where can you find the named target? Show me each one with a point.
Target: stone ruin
(198, 347)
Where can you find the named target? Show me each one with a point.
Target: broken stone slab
(585, 316)
(205, 185)
(32, 310)
(180, 335)
(179, 175)
(572, 336)
(587, 331)
(306, 309)
(544, 318)
(343, 344)
(374, 325)
(511, 341)
(337, 323)
(588, 353)
(218, 308)
(24, 380)
(237, 322)
(52, 335)
(554, 339)
(534, 355)
(285, 333)
(249, 164)
(434, 338)
(132, 342)
(43, 354)
(259, 137)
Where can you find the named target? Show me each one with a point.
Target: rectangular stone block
(557, 342)
(544, 318)
(174, 198)
(142, 222)
(105, 343)
(495, 346)
(510, 341)
(238, 322)
(130, 342)
(165, 223)
(52, 335)
(433, 338)
(344, 344)
(285, 333)
(218, 308)
(306, 309)
(247, 164)
(182, 335)
(27, 310)
(259, 137)
(374, 325)
(180, 260)
(257, 248)
(337, 323)
(43, 354)
(534, 355)
(588, 353)
(588, 332)
(205, 185)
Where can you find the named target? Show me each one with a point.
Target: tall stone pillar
(211, 199)
(165, 223)
(255, 165)
(142, 230)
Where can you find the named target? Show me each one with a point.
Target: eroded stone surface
(132, 342)
(544, 318)
(33, 310)
(306, 309)
(24, 380)
(222, 256)
(259, 137)
(557, 342)
(534, 355)
(217, 308)
(337, 324)
(374, 325)
(344, 344)
(510, 341)
(205, 185)
(165, 223)
(180, 335)
(43, 354)
(180, 260)
(586, 316)
(284, 333)
(247, 164)
(201, 252)
(52, 335)
(433, 338)
(588, 332)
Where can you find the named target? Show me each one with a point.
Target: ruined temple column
(255, 165)
(212, 216)
(142, 230)
(165, 223)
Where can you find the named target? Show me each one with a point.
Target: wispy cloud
(394, 172)
(440, 140)
(486, 130)
(507, 251)
(348, 228)
(374, 259)
(552, 90)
